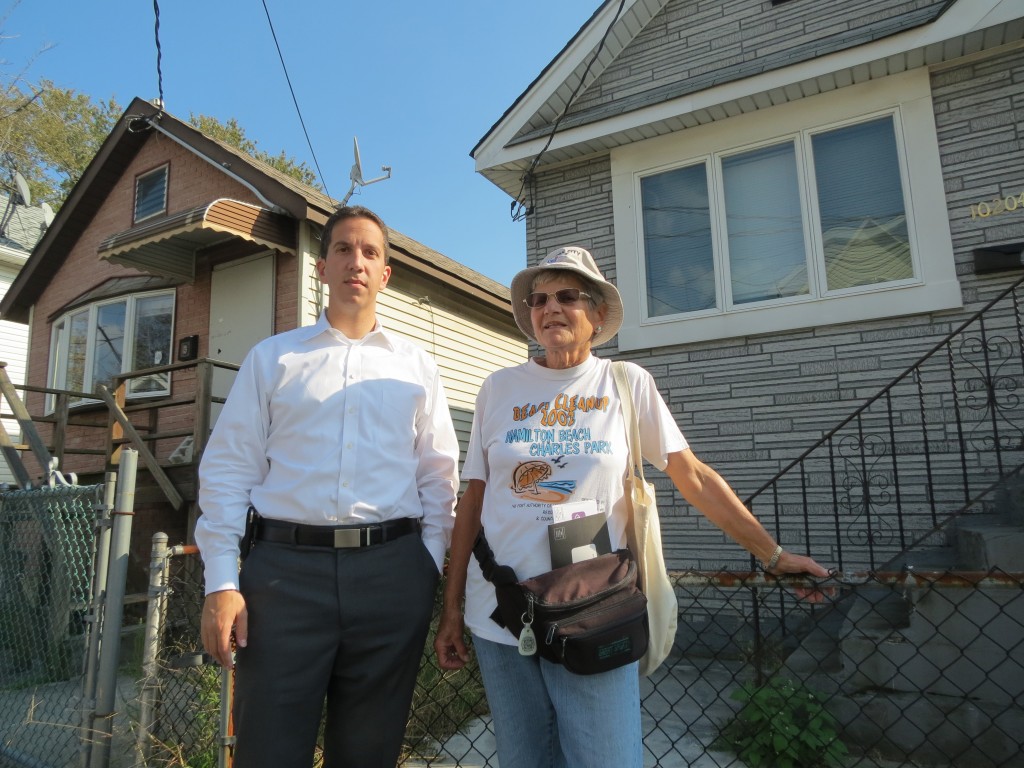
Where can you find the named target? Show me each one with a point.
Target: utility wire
(519, 208)
(159, 53)
(295, 101)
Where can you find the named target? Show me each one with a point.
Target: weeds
(782, 724)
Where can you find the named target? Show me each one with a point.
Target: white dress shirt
(326, 430)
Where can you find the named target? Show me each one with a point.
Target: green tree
(233, 134)
(50, 135)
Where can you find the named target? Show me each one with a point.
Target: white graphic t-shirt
(541, 437)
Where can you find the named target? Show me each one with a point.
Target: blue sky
(418, 82)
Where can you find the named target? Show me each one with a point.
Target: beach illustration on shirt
(532, 481)
(537, 479)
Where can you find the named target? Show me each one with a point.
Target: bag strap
(636, 461)
(639, 520)
(498, 575)
(494, 573)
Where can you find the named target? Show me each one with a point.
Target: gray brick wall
(979, 116)
(750, 405)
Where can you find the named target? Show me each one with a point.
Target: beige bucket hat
(579, 261)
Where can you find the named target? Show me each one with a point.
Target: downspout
(219, 166)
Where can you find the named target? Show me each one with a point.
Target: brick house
(169, 259)
(797, 199)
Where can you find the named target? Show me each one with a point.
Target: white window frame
(934, 287)
(164, 169)
(57, 377)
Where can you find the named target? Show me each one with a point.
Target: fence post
(94, 620)
(156, 610)
(204, 391)
(226, 732)
(113, 611)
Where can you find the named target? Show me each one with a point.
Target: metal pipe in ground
(226, 744)
(113, 611)
(156, 611)
(94, 619)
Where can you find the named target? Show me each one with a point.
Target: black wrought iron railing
(931, 445)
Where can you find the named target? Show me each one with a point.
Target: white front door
(241, 313)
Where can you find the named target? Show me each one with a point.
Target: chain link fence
(180, 715)
(890, 669)
(47, 546)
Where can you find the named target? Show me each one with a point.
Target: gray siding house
(797, 199)
(21, 226)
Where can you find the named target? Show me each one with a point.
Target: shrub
(782, 724)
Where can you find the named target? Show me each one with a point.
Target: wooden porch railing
(72, 416)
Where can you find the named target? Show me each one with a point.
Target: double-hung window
(93, 343)
(818, 212)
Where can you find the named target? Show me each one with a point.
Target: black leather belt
(336, 537)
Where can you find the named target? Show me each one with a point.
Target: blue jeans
(547, 717)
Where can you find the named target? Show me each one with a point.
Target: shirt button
(348, 446)
(345, 484)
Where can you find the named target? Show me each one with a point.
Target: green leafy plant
(782, 724)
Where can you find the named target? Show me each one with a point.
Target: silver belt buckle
(347, 538)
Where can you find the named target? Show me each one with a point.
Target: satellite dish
(48, 214)
(356, 174)
(23, 190)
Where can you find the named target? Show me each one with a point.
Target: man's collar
(378, 336)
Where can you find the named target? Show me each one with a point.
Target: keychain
(527, 640)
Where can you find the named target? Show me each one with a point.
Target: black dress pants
(342, 625)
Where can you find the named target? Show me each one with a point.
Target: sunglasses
(564, 296)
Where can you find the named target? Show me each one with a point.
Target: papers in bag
(578, 533)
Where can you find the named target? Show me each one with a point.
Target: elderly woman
(547, 432)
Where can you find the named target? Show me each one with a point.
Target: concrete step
(975, 542)
(983, 545)
(818, 651)
(876, 612)
(940, 559)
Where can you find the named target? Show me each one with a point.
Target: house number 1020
(985, 209)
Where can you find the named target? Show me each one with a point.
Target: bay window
(91, 344)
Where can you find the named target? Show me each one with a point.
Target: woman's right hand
(450, 643)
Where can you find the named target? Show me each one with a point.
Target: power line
(295, 101)
(519, 209)
(159, 53)
(160, 80)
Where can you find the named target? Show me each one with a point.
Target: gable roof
(21, 225)
(749, 62)
(281, 197)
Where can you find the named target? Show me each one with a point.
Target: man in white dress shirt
(338, 435)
